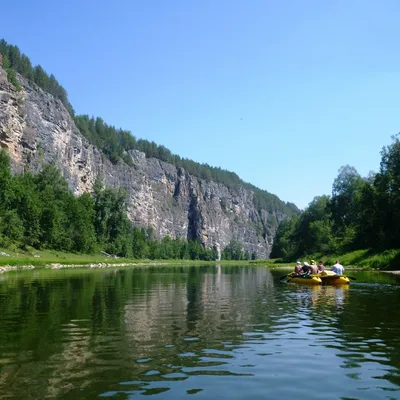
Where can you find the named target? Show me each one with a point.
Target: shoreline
(58, 266)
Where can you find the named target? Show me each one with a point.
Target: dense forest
(40, 211)
(361, 213)
(116, 143)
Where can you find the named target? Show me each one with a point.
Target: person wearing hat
(313, 267)
(297, 268)
(306, 267)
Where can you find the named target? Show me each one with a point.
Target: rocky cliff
(37, 129)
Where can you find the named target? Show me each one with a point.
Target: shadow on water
(212, 332)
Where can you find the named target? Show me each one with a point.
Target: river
(196, 332)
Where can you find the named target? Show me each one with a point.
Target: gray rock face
(37, 129)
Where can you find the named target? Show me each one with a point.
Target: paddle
(292, 274)
(285, 276)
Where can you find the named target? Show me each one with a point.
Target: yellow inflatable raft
(330, 278)
(304, 280)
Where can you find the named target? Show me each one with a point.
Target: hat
(298, 262)
(312, 262)
(306, 264)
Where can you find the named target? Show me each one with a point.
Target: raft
(330, 278)
(304, 280)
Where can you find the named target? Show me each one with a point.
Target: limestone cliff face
(37, 129)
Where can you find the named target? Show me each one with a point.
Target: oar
(285, 276)
(351, 277)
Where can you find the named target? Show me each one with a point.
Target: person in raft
(313, 267)
(297, 268)
(306, 267)
(338, 268)
(321, 266)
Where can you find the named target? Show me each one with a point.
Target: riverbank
(35, 259)
(387, 261)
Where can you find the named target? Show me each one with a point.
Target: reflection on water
(208, 332)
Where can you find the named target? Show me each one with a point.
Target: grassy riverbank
(365, 259)
(388, 260)
(38, 258)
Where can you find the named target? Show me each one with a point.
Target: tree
(313, 222)
(5, 178)
(387, 186)
(81, 216)
(285, 245)
(27, 202)
(346, 205)
(11, 76)
(234, 251)
(111, 223)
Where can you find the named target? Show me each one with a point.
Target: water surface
(196, 332)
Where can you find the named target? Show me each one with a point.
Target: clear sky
(281, 92)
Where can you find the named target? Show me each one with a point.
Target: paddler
(297, 268)
(321, 266)
(306, 267)
(313, 268)
(338, 268)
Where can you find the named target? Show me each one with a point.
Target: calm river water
(201, 333)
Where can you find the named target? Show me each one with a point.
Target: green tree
(234, 251)
(11, 228)
(346, 206)
(111, 223)
(285, 245)
(5, 178)
(27, 202)
(387, 186)
(81, 216)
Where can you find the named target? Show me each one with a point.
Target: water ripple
(208, 332)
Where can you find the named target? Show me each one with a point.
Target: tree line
(116, 143)
(361, 213)
(40, 211)
(15, 61)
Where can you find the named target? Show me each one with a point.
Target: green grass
(364, 259)
(41, 258)
(271, 263)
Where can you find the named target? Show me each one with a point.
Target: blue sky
(281, 92)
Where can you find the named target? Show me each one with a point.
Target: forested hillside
(361, 213)
(40, 211)
(115, 143)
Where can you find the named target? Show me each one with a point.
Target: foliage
(39, 211)
(234, 251)
(284, 245)
(14, 61)
(11, 75)
(361, 213)
(116, 143)
(45, 214)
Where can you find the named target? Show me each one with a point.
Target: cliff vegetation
(362, 213)
(194, 215)
(115, 143)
